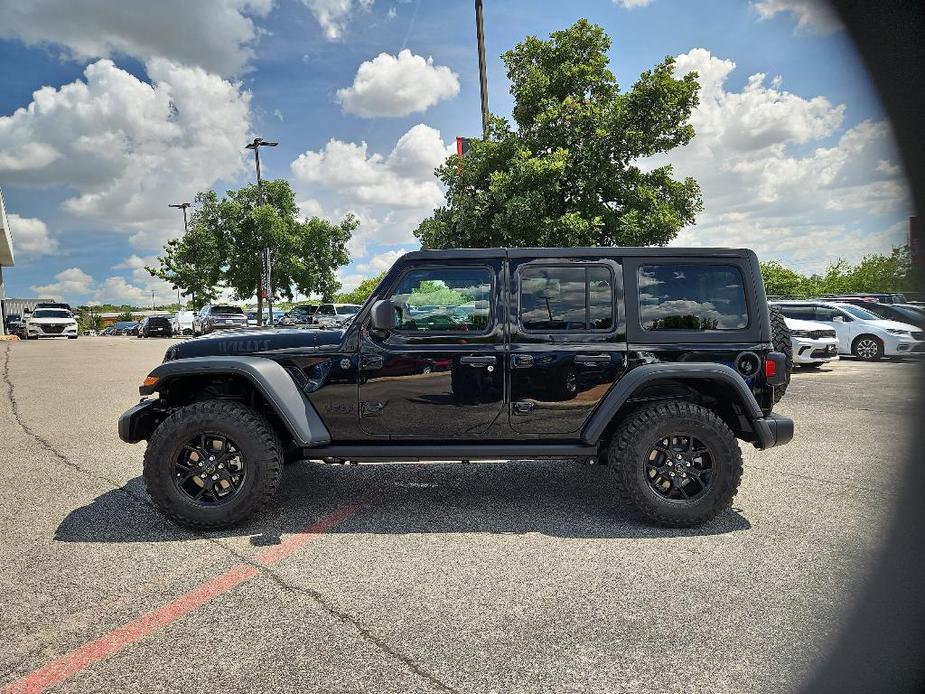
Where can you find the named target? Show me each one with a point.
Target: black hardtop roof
(586, 252)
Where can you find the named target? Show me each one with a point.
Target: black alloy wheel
(679, 467)
(210, 469)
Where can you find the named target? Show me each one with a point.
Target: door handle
(478, 361)
(592, 358)
(371, 361)
(522, 361)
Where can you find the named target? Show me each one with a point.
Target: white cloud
(814, 15)
(394, 86)
(333, 15)
(30, 236)
(126, 147)
(217, 35)
(68, 283)
(780, 174)
(380, 262)
(403, 178)
(632, 4)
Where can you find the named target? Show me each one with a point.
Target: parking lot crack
(46, 445)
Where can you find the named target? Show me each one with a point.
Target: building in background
(6, 256)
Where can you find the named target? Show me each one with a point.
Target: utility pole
(153, 307)
(483, 73)
(181, 206)
(264, 260)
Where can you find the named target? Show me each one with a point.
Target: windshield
(859, 312)
(227, 309)
(347, 310)
(51, 313)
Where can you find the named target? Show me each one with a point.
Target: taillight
(770, 368)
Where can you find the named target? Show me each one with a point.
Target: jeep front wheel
(212, 464)
(677, 464)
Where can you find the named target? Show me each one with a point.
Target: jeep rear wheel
(676, 464)
(212, 464)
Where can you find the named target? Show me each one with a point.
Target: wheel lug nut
(201, 463)
(214, 477)
(211, 457)
(221, 466)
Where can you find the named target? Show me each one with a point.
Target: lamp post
(181, 206)
(264, 263)
(483, 73)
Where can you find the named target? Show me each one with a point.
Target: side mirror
(382, 316)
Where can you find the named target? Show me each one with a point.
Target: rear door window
(679, 296)
(567, 298)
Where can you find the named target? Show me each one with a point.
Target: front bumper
(51, 331)
(773, 430)
(901, 347)
(807, 350)
(137, 423)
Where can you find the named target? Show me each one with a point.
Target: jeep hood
(253, 341)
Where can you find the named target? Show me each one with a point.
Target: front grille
(818, 334)
(52, 329)
(918, 335)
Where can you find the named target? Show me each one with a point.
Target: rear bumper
(773, 430)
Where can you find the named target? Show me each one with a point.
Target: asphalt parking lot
(517, 577)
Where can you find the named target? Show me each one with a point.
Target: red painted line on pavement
(71, 663)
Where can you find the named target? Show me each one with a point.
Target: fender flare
(647, 373)
(271, 380)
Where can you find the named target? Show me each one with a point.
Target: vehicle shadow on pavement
(555, 498)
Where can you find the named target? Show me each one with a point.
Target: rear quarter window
(677, 296)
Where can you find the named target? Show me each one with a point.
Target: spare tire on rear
(780, 337)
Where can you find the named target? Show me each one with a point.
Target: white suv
(814, 344)
(50, 322)
(860, 332)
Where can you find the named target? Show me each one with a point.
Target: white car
(182, 322)
(814, 344)
(335, 315)
(860, 333)
(50, 322)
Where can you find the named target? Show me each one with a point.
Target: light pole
(264, 263)
(181, 206)
(483, 73)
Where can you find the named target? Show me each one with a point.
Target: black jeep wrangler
(652, 361)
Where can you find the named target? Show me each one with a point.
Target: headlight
(897, 331)
(799, 333)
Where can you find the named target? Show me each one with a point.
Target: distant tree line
(874, 273)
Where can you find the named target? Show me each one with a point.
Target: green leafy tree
(362, 291)
(566, 174)
(782, 281)
(229, 233)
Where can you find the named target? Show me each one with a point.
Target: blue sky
(109, 111)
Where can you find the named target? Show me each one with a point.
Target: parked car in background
(125, 327)
(335, 315)
(14, 324)
(277, 317)
(303, 314)
(181, 323)
(860, 333)
(880, 297)
(155, 326)
(904, 313)
(51, 322)
(213, 317)
(111, 330)
(814, 344)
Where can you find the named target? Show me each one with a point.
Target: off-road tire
(780, 337)
(256, 440)
(864, 355)
(626, 463)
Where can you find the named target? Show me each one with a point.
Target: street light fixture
(264, 263)
(483, 72)
(182, 206)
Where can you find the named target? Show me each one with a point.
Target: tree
(782, 281)
(228, 234)
(193, 263)
(568, 173)
(362, 291)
